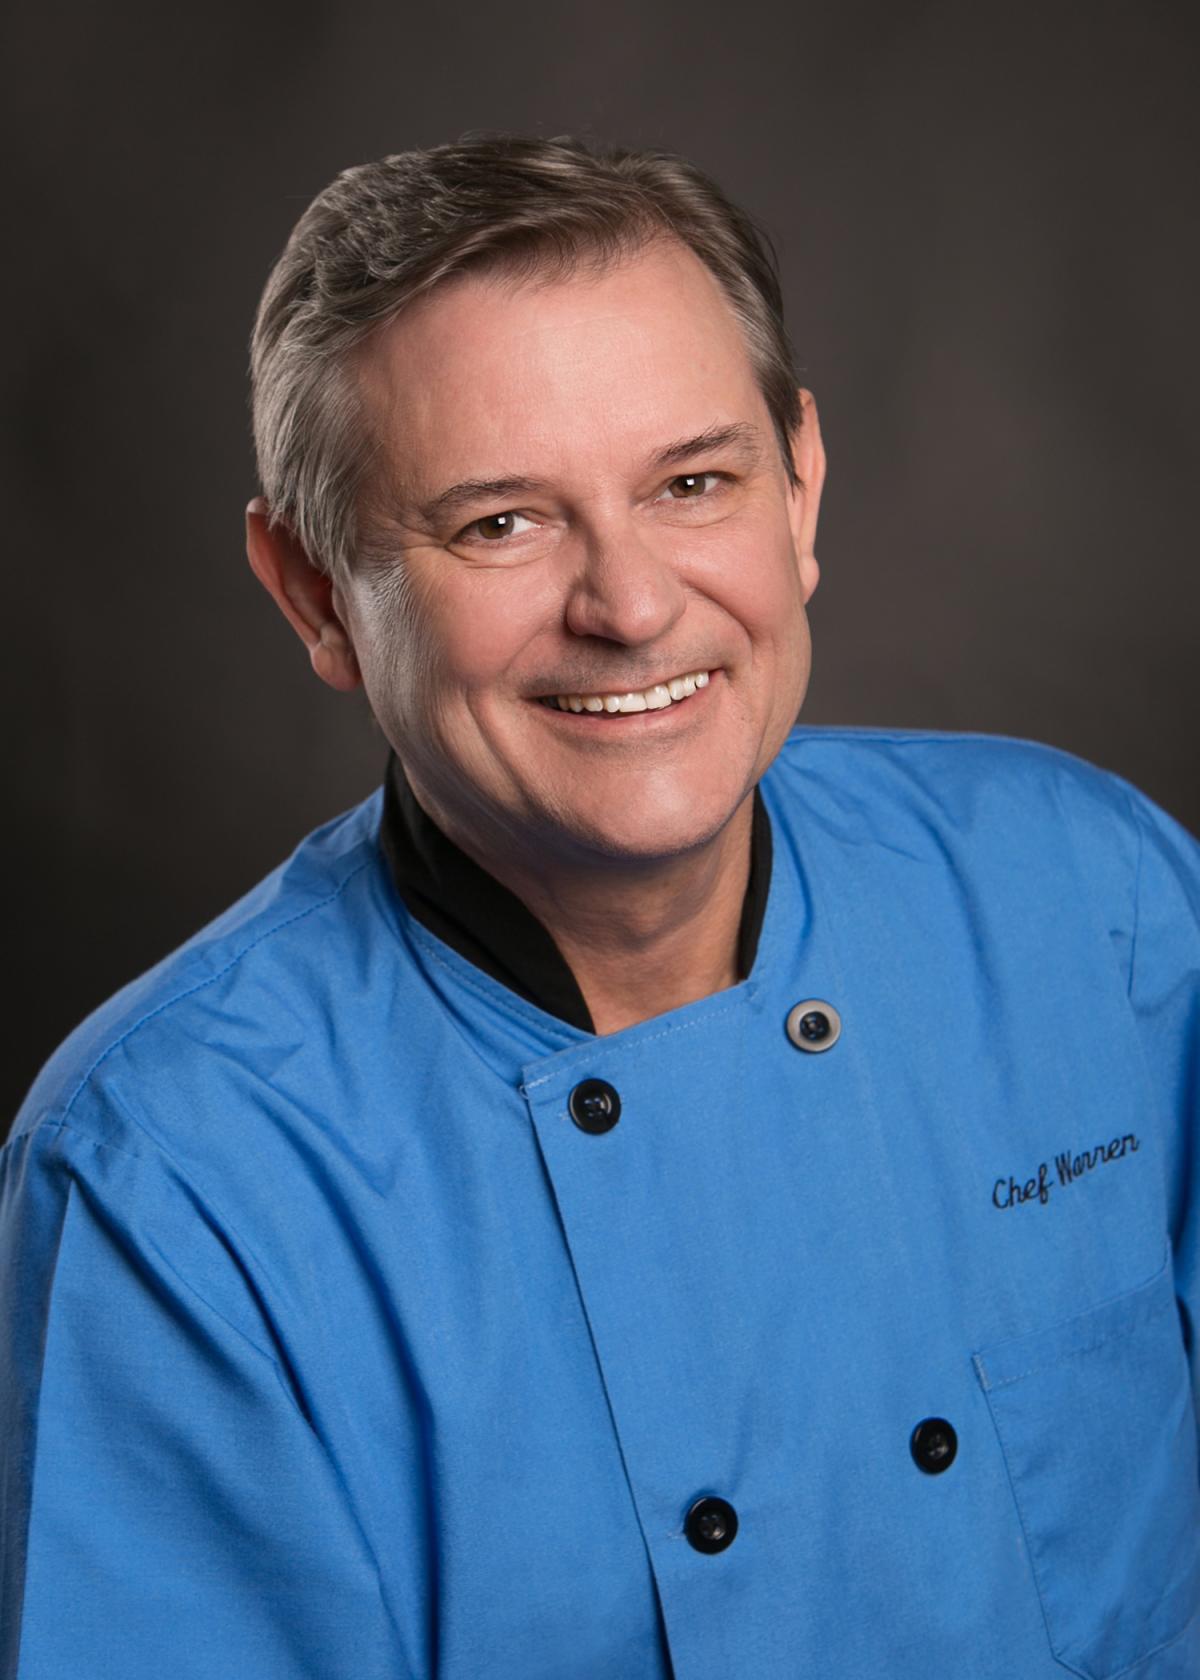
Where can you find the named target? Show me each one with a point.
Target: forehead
(488, 374)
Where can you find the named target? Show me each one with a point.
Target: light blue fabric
(334, 1349)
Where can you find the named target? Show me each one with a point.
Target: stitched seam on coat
(512, 999)
(1036, 1568)
(1166, 1645)
(1023, 1526)
(190, 991)
(101, 1143)
(654, 1038)
(519, 1006)
(1051, 1361)
(132, 1155)
(1137, 894)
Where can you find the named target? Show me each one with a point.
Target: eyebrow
(740, 435)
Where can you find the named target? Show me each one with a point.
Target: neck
(641, 945)
(639, 940)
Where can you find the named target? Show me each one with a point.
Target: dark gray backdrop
(985, 218)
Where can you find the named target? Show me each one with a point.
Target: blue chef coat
(334, 1349)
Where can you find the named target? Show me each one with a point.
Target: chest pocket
(1098, 1431)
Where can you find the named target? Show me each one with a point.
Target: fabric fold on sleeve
(1164, 991)
(165, 1507)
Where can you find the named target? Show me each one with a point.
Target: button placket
(663, 1289)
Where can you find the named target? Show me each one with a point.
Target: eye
(692, 486)
(494, 527)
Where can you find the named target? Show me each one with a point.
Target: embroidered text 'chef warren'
(1008, 1193)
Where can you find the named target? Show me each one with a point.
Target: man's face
(626, 557)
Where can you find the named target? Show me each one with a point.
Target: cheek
(397, 653)
(445, 634)
(480, 623)
(752, 575)
(758, 585)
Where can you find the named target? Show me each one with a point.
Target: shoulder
(996, 805)
(971, 782)
(243, 977)
(945, 769)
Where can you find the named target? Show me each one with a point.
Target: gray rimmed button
(814, 1025)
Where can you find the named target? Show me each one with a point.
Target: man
(655, 1190)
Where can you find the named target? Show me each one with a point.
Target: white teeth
(653, 699)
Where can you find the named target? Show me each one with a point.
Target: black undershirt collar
(489, 925)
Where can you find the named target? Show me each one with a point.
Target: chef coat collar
(488, 925)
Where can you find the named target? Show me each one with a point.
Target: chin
(642, 831)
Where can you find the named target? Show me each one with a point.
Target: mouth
(659, 697)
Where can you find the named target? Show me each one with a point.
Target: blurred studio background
(985, 216)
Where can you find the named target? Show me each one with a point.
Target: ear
(304, 595)
(808, 458)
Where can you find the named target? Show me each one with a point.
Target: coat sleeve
(1164, 990)
(166, 1507)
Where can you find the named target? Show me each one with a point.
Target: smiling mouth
(657, 698)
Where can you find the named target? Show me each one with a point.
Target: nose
(623, 590)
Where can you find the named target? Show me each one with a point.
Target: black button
(711, 1524)
(594, 1105)
(933, 1445)
(813, 1025)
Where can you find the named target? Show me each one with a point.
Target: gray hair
(384, 233)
